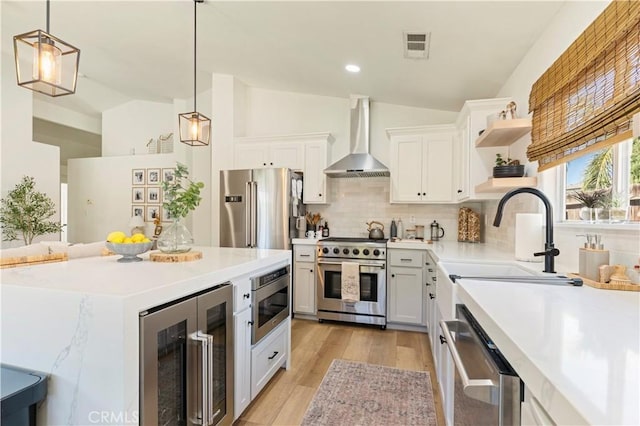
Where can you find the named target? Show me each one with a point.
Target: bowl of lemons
(128, 247)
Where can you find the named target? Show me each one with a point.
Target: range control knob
(365, 252)
(336, 250)
(345, 251)
(376, 252)
(325, 250)
(356, 251)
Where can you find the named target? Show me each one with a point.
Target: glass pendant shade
(46, 64)
(195, 129)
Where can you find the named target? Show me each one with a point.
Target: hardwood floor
(314, 346)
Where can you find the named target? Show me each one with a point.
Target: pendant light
(46, 64)
(195, 128)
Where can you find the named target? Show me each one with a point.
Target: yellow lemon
(116, 237)
(136, 238)
(127, 240)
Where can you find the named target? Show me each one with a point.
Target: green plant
(181, 195)
(508, 162)
(26, 211)
(592, 199)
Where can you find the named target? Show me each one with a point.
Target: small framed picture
(137, 195)
(166, 217)
(168, 175)
(137, 211)
(152, 213)
(153, 176)
(138, 177)
(153, 195)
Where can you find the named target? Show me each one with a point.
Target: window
(604, 186)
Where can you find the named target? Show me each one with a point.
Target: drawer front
(406, 258)
(304, 253)
(266, 357)
(241, 294)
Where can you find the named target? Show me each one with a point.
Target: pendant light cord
(48, 32)
(195, 23)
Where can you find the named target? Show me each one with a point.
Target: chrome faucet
(549, 250)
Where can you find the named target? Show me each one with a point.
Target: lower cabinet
(406, 286)
(268, 356)
(444, 371)
(304, 279)
(242, 364)
(532, 413)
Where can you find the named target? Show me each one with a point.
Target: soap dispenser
(591, 257)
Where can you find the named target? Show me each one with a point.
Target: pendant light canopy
(195, 128)
(46, 64)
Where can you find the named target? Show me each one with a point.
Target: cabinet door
(406, 173)
(405, 295)
(289, 155)
(437, 172)
(250, 155)
(315, 181)
(304, 288)
(242, 355)
(461, 162)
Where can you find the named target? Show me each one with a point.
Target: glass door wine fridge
(186, 360)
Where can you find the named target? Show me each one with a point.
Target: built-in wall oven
(370, 255)
(186, 360)
(487, 390)
(270, 301)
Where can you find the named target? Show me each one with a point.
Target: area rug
(354, 393)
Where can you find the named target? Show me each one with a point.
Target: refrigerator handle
(254, 213)
(206, 341)
(248, 214)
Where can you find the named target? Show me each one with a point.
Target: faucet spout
(550, 251)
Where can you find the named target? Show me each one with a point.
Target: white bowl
(130, 251)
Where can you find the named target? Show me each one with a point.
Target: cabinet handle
(427, 284)
(319, 195)
(442, 340)
(430, 270)
(264, 164)
(405, 260)
(271, 164)
(432, 296)
(250, 322)
(305, 255)
(311, 270)
(274, 355)
(434, 278)
(427, 263)
(418, 194)
(424, 193)
(393, 275)
(459, 191)
(246, 295)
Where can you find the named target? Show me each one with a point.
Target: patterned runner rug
(354, 393)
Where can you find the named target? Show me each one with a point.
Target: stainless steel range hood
(359, 163)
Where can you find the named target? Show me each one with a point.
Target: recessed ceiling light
(352, 68)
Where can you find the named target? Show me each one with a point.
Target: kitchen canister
(529, 237)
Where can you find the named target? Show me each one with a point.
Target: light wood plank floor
(314, 346)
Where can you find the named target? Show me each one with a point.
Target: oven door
(372, 288)
(270, 307)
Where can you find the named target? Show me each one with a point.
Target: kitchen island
(78, 321)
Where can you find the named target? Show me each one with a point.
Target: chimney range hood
(359, 163)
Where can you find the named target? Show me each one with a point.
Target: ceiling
(144, 49)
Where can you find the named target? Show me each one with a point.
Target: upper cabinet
(422, 164)
(306, 153)
(474, 171)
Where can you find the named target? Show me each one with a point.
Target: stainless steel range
(371, 255)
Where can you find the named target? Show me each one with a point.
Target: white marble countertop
(305, 241)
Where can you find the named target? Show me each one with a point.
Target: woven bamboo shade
(586, 99)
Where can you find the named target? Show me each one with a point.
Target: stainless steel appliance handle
(247, 215)
(479, 384)
(373, 265)
(204, 339)
(210, 374)
(254, 213)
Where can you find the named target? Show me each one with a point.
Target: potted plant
(591, 202)
(25, 211)
(507, 168)
(617, 211)
(181, 196)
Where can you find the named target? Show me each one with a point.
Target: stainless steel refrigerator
(259, 207)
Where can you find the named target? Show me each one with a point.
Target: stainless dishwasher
(487, 391)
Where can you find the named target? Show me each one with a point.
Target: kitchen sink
(485, 269)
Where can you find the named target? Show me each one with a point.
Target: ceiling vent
(416, 45)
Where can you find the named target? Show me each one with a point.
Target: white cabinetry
(532, 413)
(307, 153)
(242, 345)
(268, 356)
(421, 164)
(304, 279)
(406, 286)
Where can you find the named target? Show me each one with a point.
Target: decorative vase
(175, 238)
(589, 214)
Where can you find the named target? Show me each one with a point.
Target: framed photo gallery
(146, 193)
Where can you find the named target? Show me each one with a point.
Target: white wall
(19, 155)
(100, 198)
(57, 114)
(127, 128)
(567, 25)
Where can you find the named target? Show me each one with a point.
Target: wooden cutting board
(175, 257)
